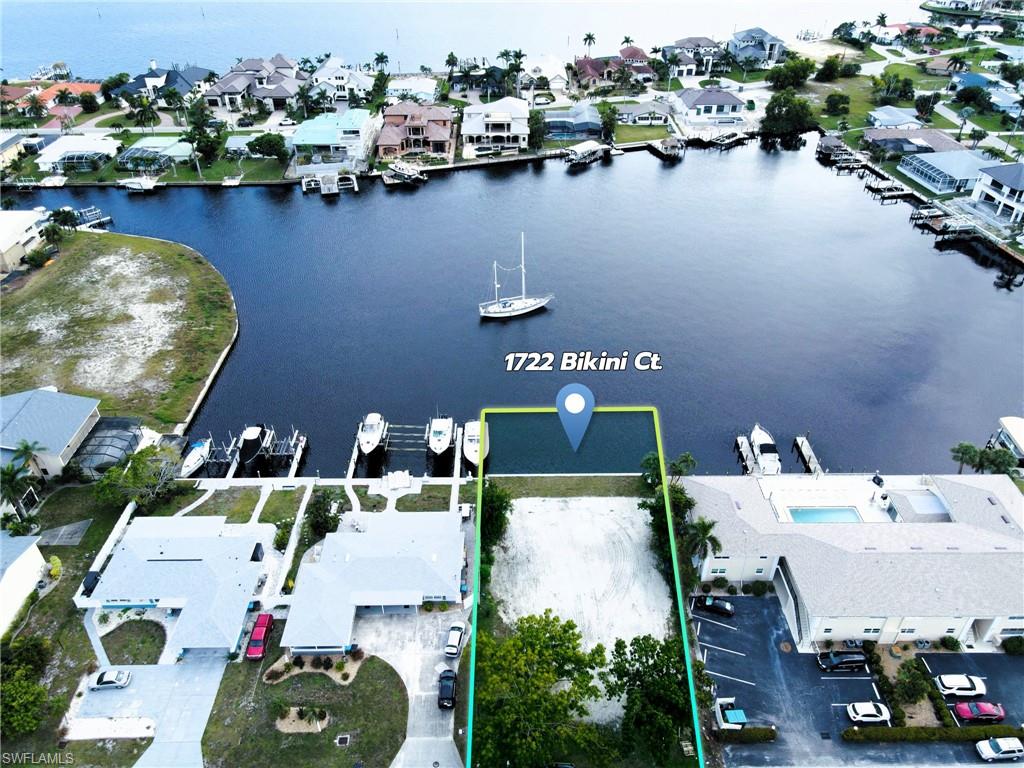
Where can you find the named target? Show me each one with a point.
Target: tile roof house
(709, 105)
(633, 54)
(503, 123)
(1001, 188)
(59, 422)
(755, 43)
(945, 172)
(894, 117)
(591, 73)
(48, 96)
(190, 82)
(914, 562)
(21, 566)
(890, 33)
(205, 568)
(274, 81)
(414, 129)
(389, 562)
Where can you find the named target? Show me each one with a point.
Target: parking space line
(712, 621)
(698, 629)
(845, 678)
(705, 659)
(955, 719)
(875, 689)
(925, 662)
(720, 648)
(727, 677)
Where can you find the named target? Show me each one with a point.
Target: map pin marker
(575, 404)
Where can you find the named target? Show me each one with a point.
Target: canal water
(773, 291)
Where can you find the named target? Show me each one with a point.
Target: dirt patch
(293, 723)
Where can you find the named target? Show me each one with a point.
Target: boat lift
(279, 451)
(802, 445)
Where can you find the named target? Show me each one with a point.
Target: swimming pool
(824, 515)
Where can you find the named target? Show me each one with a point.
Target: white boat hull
(372, 432)
(504, 308)
(473, 448)
(439, 435)
(765, 452)
(196, 458)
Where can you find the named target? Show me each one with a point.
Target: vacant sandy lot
(588, 560)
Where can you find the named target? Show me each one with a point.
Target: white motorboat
(198, 453)
(254, 441)
(373, 433)
(473, 447)
(585, 152)
(765, 453)
(439, 434)
(513, 306)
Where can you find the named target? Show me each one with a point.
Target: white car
(543, 100)
(287, 121)
(868, 712)
(960, 685)
(110, 678)
(455, 636)
(1000, 749)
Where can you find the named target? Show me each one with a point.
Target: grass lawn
(82, 308)
(135, 641)
(894, 52)
(921, 80)
(891, 167)
(751, 76)
(940, 121)
(432, 498)
(122, 119)
(183, 495)
(665, 85)
(562, 487)
(282, 505)
(461, 104)
(56, 617)
(373, 709)
(106, 108)
(859, 91)
(462, 702)
(990, 121)
(467, 493)
(367, 502)
(1019, 482)
(624, 133)
(236, 503)
(252, 170)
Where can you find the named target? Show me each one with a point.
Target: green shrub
(281, 538)
(321, 714)
(339, 665)
(1014, 645)
(36, 259)
(720, 582)
(945, 733)
(751, 734)
(316, 663)
(732, 589)
(278, 708)
(869, 647)
(273, 675)
(747, 588)
(950, 643)
(828, 644)
(428, 607)
(345, 676)
(443, 606)
(760, 588)
(706, 589)
(103, 618)
(288, 667)
(299, 662)
(357, 654)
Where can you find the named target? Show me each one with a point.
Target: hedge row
(937, 700)
(967, 733)
(751, 734)
(885, 686)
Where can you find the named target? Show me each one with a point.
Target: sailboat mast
(522, 260)
(495, 281)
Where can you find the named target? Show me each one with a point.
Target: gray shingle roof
(1009, 175)
(699, 97)
(45, 416)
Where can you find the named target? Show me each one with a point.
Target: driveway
(178, 697)
(752, 657)
(412, 644)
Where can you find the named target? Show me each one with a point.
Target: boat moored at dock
(373, 433)
(475, 444)
(255, 441)
(440, 434)
(766, 454)
(196, 457)
(585, 152)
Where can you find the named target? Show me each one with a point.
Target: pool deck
(846, 491)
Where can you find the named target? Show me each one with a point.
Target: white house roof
(169, 146)
(412, 85)
(889, 115)
(45, 416)
(942, 567)
(548, 66)
(198, 564)
(12, 548)
(397, 559)
(508, 105)
(958, 164)
(14, 225)
(53, 152)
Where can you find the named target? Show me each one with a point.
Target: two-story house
(757, 44)
(504, 124)
(701, 51)
(274, 81)
(335, 79)
(1001, 187)
(415, 129)
(344, 137)
(155, 83)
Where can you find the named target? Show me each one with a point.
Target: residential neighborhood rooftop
(44, 415)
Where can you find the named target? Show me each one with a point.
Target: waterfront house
(546, 72)
(702, 51)
(203, 570)
(757, 44)
(19, 235)
(891, 33)
(594, 73)
(633, 54)
(579, 121)
(945, 172)
(388, 563)
(910, 142)
(489, 80)
(646, 113)
(341, 138)
(894, 117)
(151, 152)
(709, 106)
(504, 124)
(422, 89)
(11, 147)
(984, 80)
(189, 82)
(1001, 188)
(49, 96)
(57, 421)
(273, 81)
(414, 129)
(337, 80)
(76, 152)
(21, 567)
(922, 549)
(1005, 101)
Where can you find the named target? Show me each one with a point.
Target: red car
(979, 712)
(259, 638)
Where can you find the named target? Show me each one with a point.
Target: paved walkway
(94, 637)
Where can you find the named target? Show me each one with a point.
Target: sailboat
(513, 306)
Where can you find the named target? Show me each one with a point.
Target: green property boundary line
(680, 601)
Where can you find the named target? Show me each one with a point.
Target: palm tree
(304, 98)
(65, 97)
(25, 451)
(965, 114)
(588, 40)
(655, 50)
(53, 235)
(957, 62)
(505, 55)
(699, 539)
(627, 40)
(143, 113)
(965, 453)
(673, 62)
(380, 60)
(881, 20)
(15, 481)
(977, 135)
(452, 61)
(624, 77)
(62, 217)
(747, 63)
(34, 106)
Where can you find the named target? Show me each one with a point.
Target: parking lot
(752, 656)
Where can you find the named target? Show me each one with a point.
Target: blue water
(773, 290)
(824, 515)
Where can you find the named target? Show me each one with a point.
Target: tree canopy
(143, 477)
(787, 115)
(792, 74)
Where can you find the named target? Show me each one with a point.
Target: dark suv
(446, 689)
(842, 661)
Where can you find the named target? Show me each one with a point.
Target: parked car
(110, 678)
(1000, 749)
(455, 636)
(543, 100)
(215, 124)
(868, 712)
(963, 686)
(718, 605)
(245, 122)
(979, 712)
(257, 647)
(446, 689)
(842, 661)
(287, 121)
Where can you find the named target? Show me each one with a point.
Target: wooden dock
(802, 445)
(746, 454)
